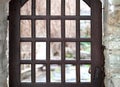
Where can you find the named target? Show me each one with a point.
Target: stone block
(114, 2)
(116, 80)
(112, 42)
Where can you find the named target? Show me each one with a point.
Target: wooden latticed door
(55, 43)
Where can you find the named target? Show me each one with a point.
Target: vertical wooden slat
(96, 24)
(48, 42)
(14, 55)
(33, 65)
(63, 43)
(77, 42)
(33, 43)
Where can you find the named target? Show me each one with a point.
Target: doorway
(55, 43)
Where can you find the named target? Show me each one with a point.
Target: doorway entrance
(55, 43)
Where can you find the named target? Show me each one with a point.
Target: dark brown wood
(55, 62)
(56, 85)
(77, 41)
(48, 42)
(56, 17)
(88, 2)
(56, 39)
(63, 43)
(14, 67)
(22, 2)
(15, 39)
(97, 58)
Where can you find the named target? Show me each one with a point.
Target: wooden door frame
(14, 38)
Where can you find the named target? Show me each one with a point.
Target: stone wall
(3, 34)
(112, 42)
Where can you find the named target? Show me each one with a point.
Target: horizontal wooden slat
(56, 85)
(54, 62)
(55, 17)
(55, 39)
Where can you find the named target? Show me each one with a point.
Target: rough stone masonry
(3, 45)
(111, 39)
